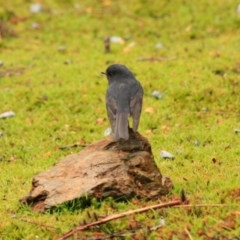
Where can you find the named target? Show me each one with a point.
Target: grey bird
(123, 99)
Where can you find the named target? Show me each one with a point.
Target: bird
(124, 98)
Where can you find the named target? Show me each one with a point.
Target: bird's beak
(103, 73)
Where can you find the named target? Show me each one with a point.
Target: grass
(51, 79)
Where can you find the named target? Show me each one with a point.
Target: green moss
(51, 78)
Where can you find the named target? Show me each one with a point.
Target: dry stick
(205, 205)
(188, 233)
(111, 236)
(38, 224)
(116, 216)
(125, 234)
(156, 59)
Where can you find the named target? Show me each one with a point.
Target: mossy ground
(51, 78)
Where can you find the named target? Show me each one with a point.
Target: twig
(35, 223)
(51, 229)
(125, 234)
(206, 205)
(72, 146)
(5, 31)
(151, 59)
(188, 233)
(116, 234)
(154, 228)
(116, 216)
(107, 44)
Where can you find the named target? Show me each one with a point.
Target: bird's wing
(136, 107)
(111, 110)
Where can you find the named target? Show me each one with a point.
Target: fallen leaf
(12, 158)
(88, 10)
(15, 20)
(214, 54)
(81, 141)
(99, 121)
(129, 47)
(98, 234)
(47, 154)
(165, 128)
(149, 110)
(227, 147)
(149, 131)
(107, 2)
(188, 28)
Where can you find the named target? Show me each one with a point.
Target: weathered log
(122, 169)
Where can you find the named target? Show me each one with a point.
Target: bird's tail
(121, 127)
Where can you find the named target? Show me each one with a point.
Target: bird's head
(117, 72)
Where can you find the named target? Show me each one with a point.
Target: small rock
(196, 142)
(107, 132)
(77, 6)
(162, 221)
(67, 61)
(205, 109)
(36, 8)
(62, 48)
(116, 39)
(5, 89)
(7, 114)
(179, 151)
(238, 9)
(34, 25)
(237, 131)
(157, 94)
(2, 134)
(159, 45)
(166, 155)
(127, 37)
